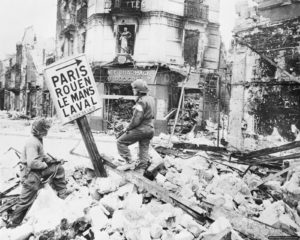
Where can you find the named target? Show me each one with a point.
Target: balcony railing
(195, 9)
(123, 6)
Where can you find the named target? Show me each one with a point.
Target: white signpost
(73, 90)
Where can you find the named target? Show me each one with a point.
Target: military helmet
(40, 126)
(140, 85)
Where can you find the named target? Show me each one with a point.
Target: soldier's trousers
(32, 184)
(143, 137)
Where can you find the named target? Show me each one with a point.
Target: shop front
(117, 96)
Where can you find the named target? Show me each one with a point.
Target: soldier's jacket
(33, 156)
(143, 114)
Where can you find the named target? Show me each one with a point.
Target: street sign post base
(90, 144)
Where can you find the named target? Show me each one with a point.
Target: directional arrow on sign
(77, 62)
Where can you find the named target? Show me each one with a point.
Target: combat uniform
(141, 130)
(38, 168)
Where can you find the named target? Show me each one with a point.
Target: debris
(279, 215)
(220, 228)
(202, 147)
(184, 235)
(156, 231)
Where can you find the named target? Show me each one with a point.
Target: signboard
(130, 75)
(72, 88)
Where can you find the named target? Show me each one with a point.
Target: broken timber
(267, 151)
(274, 159)
(202, 147)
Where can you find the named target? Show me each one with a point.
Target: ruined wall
(269, 100)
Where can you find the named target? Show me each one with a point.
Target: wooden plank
(90, 144)
(275, 159)
(267, 151)
(199, 147)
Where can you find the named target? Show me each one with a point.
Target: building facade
(153, 40)
(265, 77)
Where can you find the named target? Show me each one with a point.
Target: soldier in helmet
(38, 168)
(140, 128)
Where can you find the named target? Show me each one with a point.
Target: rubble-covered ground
(111, 208)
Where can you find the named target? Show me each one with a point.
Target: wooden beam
(90, 144)
(203, 147)
(267, 151)
(274, 159)
(179, 105)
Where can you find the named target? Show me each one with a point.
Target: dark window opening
(191, 41)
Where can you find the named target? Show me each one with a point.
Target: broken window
(118, 109)
(191, 41)
(125, 39)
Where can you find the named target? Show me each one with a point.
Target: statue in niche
(124, 39)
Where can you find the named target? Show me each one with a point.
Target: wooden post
(179, 106)
(219, 109)
(90, 144)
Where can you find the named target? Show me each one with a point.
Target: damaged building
(264, 101)
(152, 40)
(22, 77)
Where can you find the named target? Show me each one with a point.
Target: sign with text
(72, 88)
(130, 75)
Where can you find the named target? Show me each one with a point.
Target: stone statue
(124, 38)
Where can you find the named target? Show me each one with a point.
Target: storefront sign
(72, 88)
(130, 75)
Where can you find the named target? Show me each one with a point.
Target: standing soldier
(140, 128)
(38, 168)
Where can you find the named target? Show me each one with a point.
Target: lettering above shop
(130, 75)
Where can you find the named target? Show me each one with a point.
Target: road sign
(72, 88)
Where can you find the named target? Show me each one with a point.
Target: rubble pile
(105, 209)
(233, 197)
(15, 115)
(112, 208)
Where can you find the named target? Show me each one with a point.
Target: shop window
(191, 41)
(126, 37)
